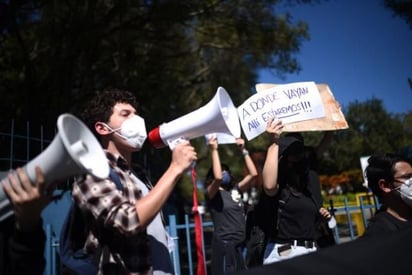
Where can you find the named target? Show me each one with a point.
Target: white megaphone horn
(219, 115)
(73, 152)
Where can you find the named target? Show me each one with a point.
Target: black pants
(226, 257)
(255, 247)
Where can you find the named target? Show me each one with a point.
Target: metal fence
(19, 145)
(352, 220)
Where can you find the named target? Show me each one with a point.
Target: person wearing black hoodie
(287, 177)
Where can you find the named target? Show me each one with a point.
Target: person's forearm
(244, 184)
(213, 187)
(270, 170)
(250, 165)
(148, 207)
(216, 165)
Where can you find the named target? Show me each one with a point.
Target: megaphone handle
(6, 206)
(174, 142)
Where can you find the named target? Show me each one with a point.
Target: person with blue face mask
(224, 200)
(389, 177)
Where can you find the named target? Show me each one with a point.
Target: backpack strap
(284, 195)
(116, 179)
(71, 255)
(75, 260)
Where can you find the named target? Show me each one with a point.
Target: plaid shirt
(114, 224)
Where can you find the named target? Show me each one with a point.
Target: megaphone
(221, 138)
(74, 151)
(219, 115)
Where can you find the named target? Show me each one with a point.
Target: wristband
(245, 152)
(274, 138)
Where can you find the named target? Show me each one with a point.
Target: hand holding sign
(333, 119)
(290, 103)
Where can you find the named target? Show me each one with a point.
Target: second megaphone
(74, 151)
(217, 116)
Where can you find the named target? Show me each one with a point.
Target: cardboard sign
(292, 102)
(333, 119)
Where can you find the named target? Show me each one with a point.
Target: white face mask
(405, 190)
(133, 130)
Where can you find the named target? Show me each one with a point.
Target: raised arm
(28, 199)
(26, 244)
(270, 168)
(251, 168)
(213, 187)
(147, 207)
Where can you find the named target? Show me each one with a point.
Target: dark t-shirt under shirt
(383, 222)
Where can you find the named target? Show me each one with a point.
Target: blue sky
(359, 49)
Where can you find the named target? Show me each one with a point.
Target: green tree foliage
(172, 54)
(371, 129)
(406, 120)
(402, 8)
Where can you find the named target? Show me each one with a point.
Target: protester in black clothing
(389, 177)
(378, 255)
(22, 234)
(224, 200)
(286, 174)
(261, 217)
(324, 233)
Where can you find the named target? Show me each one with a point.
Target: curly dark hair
(381, 166)
(100, 107)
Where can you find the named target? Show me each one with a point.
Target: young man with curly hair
(125, 226)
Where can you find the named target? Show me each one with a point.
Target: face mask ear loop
(114, 131)
(392, 183)
(110, 128)
(397, 188)
(407, 183)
